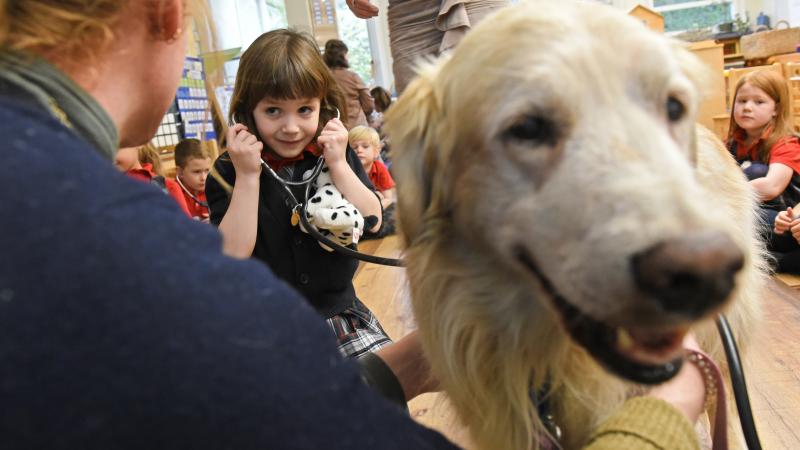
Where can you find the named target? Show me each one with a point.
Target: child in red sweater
(193, 164)
(367, 144)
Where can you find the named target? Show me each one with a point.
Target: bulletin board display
(169, 132)
(192, 102)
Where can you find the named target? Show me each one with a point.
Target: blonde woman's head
(127, 54)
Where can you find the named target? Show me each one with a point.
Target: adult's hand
(686, 391)
(362, 9)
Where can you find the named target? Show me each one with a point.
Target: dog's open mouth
(640, 354)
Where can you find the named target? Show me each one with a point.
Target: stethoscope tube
(312, 230)
(296, 206)
(738, 383)
(193, 197)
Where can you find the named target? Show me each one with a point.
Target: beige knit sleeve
(645, 423)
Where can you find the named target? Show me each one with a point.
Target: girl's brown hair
(774, 85)
(283, 65)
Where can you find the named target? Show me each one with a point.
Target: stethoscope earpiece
(334, 110)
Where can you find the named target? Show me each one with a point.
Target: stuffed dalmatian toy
(331, 213)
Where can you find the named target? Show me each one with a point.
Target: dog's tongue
(650, 346)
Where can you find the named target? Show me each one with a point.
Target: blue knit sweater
(123, 327)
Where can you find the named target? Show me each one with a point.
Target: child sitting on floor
(366, 143)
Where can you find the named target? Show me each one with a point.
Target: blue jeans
(756, 170)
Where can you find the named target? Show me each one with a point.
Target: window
(682, 15)
(353, 32)
(240, 22)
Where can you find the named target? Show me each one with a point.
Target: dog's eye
(675, 109)
(533, 129)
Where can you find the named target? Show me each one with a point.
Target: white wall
(378, 29)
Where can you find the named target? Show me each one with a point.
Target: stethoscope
(189, 193)
(299, 214)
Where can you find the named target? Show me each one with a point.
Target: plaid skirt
(358, 331)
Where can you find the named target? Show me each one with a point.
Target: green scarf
(64, 99)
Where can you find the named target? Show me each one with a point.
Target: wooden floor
(773, 374)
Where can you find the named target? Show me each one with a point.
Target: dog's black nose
(689, 275)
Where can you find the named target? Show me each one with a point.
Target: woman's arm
(773, 185)
(240, 225)
(362, 9)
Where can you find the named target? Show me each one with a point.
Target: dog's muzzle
(687, 277)
(690, 275)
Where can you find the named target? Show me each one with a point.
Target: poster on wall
(192, 101)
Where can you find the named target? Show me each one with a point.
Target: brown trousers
(428, 28)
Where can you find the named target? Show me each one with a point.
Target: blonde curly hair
(79, 29)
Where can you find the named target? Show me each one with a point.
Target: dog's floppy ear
(411, 125)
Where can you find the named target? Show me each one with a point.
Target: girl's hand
(783, 221)
(245, 151)
(333, 140)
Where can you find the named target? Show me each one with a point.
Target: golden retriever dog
(566, 222)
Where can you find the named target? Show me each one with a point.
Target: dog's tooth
(624, 339)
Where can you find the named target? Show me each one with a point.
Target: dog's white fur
(620, 178)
